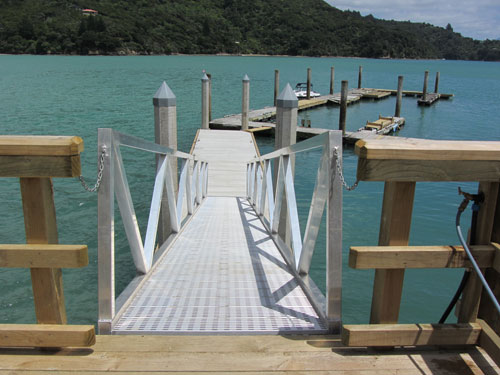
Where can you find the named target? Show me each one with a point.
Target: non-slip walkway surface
(224, 274)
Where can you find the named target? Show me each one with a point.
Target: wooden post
(424, 90)
(360, 76)
(492, 215)
(399, 97)
(41, 228)
(395, 226)
(245, 103)
(343, 106)
(209, 97)
(205, 101)
(487, 221)
(332, 77)
(436, 84)
(308, 83)
(276, 86)
(285, 135)
(165, 110)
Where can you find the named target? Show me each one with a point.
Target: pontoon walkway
(223, 273)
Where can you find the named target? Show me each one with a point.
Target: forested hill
(274, 27)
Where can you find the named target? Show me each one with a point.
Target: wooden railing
(401, 163)
(35, 160)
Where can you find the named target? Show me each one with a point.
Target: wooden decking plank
(218, 344)
(338, 361)
(277, 372)
(227, 153)
(489, 340)
(215, 362)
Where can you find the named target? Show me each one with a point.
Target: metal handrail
(192, 189)
(306, 145)
(268, 200)
(141, 144)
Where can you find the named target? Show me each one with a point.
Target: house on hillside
(89, 12)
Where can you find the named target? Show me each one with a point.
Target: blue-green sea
(70, 95)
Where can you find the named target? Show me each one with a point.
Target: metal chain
(99, 175)
(341, 174)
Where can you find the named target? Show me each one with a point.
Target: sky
(478, 19)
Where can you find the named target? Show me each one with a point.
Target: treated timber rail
(401, 163)
(35, 160)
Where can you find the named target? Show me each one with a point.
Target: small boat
(301, 91)
(384, 125)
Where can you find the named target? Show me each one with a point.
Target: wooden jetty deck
(260, 120)
(265, 114)
(251, 355)
(261, 116)
(412, 93)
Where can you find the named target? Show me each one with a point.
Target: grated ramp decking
(224, 274)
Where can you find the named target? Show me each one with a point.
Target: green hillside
(274, 27)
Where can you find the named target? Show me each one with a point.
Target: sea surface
(69, 95)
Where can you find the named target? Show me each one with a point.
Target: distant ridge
(273, 27)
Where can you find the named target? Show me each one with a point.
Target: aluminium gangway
(224, 269)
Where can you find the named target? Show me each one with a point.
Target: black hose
(455, 298)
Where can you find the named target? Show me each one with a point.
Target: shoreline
(236, 55)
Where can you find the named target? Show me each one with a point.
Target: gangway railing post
(334, 235)
(106, 234)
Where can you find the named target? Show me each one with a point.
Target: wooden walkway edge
(242, 354)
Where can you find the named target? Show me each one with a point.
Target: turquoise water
(76, 95)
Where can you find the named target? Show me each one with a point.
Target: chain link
(341, 174)
(99, 175)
